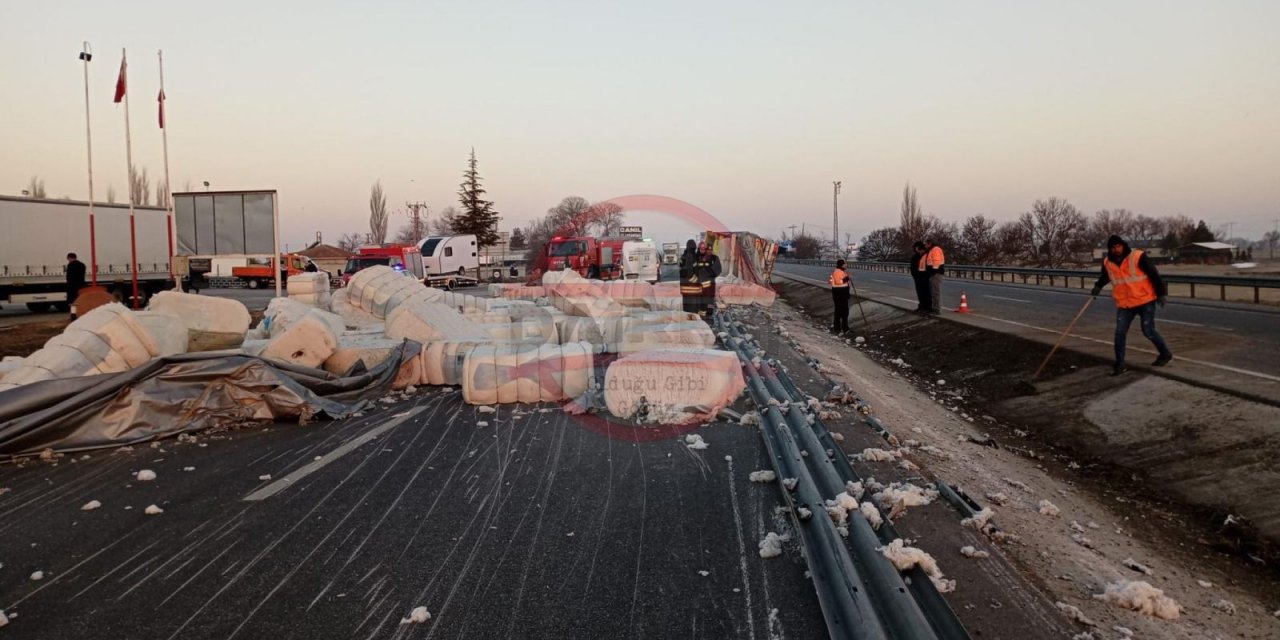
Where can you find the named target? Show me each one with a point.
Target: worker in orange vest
(1137, 288)
(840, 285)
(934, 263)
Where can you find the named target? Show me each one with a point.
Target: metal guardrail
(1029, 275)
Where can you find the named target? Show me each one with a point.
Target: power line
(417, 218)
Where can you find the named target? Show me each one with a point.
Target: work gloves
(1096, 290)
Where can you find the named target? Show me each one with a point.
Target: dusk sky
(746, 109)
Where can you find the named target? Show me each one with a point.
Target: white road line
(1189, 324)
(905, 299)
(880, 281)
(987, 295)
(314, 466)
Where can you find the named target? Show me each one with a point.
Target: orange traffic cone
(964, 304)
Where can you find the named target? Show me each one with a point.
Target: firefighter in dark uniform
(840, 285)
(706, 268)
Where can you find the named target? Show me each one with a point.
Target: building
(1206, 253)
(327, 257)
(1153, 251)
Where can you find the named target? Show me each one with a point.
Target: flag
(121, 81)
(160, 99)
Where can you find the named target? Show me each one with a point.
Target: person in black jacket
(1137, 288)
(75, 281)
(920, 277)
(706, 268)
(690, 290)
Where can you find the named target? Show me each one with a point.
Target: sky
(748, 110)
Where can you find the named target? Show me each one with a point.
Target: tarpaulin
(743, 255)
(179, 394)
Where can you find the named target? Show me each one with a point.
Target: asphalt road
(537, 525)
(1246, 342)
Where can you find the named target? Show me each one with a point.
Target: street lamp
(835, 216)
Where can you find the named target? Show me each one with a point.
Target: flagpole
(128, 150)
(88, 137)
(168, 196)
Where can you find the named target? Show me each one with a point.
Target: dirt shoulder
(947, 401)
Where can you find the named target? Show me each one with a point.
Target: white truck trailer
(640, 260)
(36, 236)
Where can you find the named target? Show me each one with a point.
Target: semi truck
(37, 234)
(671, 253)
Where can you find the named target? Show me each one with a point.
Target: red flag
(160, 99)
(120, 82)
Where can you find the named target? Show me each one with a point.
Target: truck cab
(593, 258)
(404, 258)
(258, 273)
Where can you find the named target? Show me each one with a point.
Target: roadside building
(1206, 253)
(327, 257)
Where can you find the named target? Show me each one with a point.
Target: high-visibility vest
(839, 279)
(1129, 285)
(935, 258)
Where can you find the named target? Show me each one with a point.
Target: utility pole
(835, 217)
(793, 231)
(416, 216)
(1230, 228)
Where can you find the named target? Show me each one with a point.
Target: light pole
(835, 217)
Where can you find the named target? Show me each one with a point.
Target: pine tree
(478, 216)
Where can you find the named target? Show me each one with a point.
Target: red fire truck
(397, 256)
(594, 258)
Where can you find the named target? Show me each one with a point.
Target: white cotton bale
(321, 300)
(389, 295)
(9, 364)
(613, 331)
(675, 335)
(29, 372)
(212, 323)
(61, 361)
(576, 371)
(119, 328)
(372, 351)
(526, 373)
(669, 382)
(95, 349)
(576, 329)
(366, 282)
(661, 317)
(432, 367)
(409, 374)
(425, 322)
(480, 376)
(307, 342)
(352, 316)
(168, 332)
(442, 362)
(666, 297)
(307, 283)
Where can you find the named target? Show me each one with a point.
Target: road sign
(631, 232)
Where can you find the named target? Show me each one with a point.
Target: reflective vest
(1129, 284)
(934, 258)
(839, 279)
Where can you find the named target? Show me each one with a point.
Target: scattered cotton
(771, 546)
(4, 619)
(804, 513)
(153, 510)
(907, 465)
(905, 494)
(979, 520)
(1141, 597)
(998, 498)
(904, 558)
(1074, 612)
(1049, 509)
(37, 575)
(1019, 484)
(790, 483)
(878, 455)
(972, 552)
(872, 514)
(1136, 566)
(419, 615)
(763, 476)
(704, 573)
(749, 418)
(1225, 606)
(91, 505)
(146, 475)
(486, 410)
(854, 489)
(264, 477)
(1205, 584)
(1124, 631)
(191, 468)
(695, 441)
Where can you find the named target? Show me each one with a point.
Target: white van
(445, 255)
(640, 260)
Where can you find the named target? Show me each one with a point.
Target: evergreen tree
(1201, 234)
(478, 216)
(517, 238)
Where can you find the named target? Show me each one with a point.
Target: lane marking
(1222, 367)
(905, 299)
(316, 465)
(987, 295)
(880, 281)
(1189, 324)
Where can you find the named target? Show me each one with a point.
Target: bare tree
(1014, 241)
(1058, 232)
(911, 220)
(162, 194)
(1108, 222)
(882, 245)
(1270, 239)
(139, 187)
(606, 219)
(350, 242)
(407, 234)
(111, 194)
(35, 188)
(445, 222)
(377, 213)
(977, 243)
(805, 246)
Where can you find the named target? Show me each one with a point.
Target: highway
(1225, 338)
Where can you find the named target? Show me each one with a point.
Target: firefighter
(1137, 288)
(690, 290)
(840, 285)
(707, 269)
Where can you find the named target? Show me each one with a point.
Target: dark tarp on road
(179, 394)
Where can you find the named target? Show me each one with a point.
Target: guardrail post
(1193, 290)
(1223, 295)
(1256, 299)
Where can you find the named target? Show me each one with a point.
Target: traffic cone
(964, 304)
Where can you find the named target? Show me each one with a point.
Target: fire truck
(400, 257)
(593, 258)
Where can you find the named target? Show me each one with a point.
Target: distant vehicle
(400, 257)
(36, 235)
(442, 255)
(640, 260)
(671, 253)
(258, 273)
(591, 257)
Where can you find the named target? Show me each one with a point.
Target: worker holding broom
(840, 283)
(1137, 288)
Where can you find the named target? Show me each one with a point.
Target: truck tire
(462, 271)
(449, 284)
(254, 284)
(39, 307)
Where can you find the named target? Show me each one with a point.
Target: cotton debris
(872, 514)
(979, 520)
(1225, 606)
(1074, 612)
(91, 505)
(973, 552)
(153, 510)
(763, 476)
(878, 455)
(419, 615)
(905, 494)
(1130, 563)
(1049, 509)
(146, 475)
(1141, 597)
(695, 441)
(904, 558)
(771, 546)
